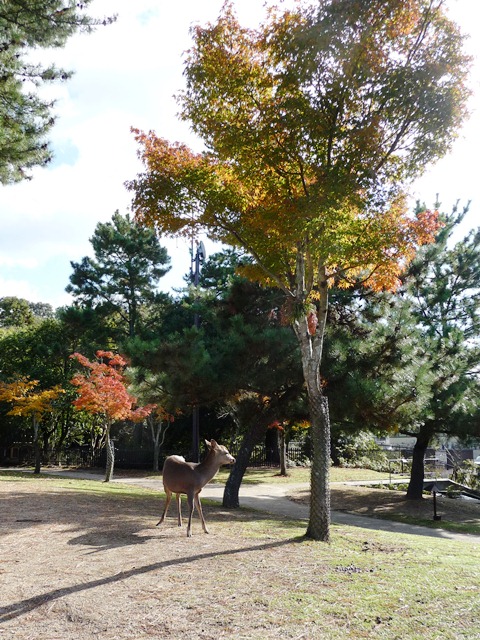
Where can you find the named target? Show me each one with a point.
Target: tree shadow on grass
(100, 521)
(22, 607)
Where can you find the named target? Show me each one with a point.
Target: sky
(125, 75)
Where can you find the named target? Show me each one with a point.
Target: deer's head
(220, 452)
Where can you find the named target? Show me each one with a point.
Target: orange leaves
(375, 249)
(169, 195)
(406, 235)
(314, 123)
(103, 389)
(161, 414)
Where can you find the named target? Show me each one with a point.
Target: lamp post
(436, 516)
(197, 260)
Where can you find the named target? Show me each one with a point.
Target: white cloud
(18, 289)
(126, 74)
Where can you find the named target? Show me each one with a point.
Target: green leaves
(123, 277)
(26, 118)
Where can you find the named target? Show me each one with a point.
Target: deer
(182, 477)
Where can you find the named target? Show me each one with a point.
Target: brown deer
(180, 477)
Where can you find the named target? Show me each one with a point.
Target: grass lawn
(84, 560)
(301, 474)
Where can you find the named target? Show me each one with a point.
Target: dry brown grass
(81, 560)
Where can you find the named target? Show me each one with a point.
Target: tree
(15, 312)
(442, 288)
(158, 421)
(151, 389)
(42, 310)
(239, 361)
(40, 351)
(375, 370)
(123, 277)
(103, 392)
(26, 117)
(29, 402)
(313, 124)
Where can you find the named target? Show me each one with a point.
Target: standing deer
(180, 477)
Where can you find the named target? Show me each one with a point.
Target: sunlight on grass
(364, 584)
(298, 475)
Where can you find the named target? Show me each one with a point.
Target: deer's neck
(208, 467)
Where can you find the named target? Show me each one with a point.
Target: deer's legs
(179, 508)
(191, 505)
(168, 498)
(200, 512)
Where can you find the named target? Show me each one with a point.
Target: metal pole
(196, 434)
(196, 323)
(435, 515)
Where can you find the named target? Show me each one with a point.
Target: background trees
(239, 361)
(102, 392)
(313, 124)
(40, 351)
(442, 288)
(26, 118)
(28, 401)
(15, 312)
(121, 282)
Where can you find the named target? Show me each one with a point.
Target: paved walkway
(271, 498)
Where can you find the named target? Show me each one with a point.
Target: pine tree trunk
(253, 437)
(110, 446)
(417, 475)
(310, 332)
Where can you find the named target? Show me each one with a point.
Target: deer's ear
(213, 444)
(208, 444)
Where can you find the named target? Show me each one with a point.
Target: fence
(136, 458)
(262, 456)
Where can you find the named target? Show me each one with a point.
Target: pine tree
(25, 117)
(443, 287)
(122, 279)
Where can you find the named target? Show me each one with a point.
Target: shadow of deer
(181, 477)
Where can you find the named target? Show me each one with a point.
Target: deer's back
(179, 476)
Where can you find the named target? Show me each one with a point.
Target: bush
(361, 451)
(468, 475)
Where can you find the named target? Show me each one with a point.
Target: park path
(272, 498)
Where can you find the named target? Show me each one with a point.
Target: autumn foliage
(26, 400)
(314, 124)
(103, 391)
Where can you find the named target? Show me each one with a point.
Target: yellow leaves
(308, 122)
(10, 391)
(26, 401)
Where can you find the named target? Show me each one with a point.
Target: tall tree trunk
(319, 521)
(156, 454)
(253, 437)
(417, 475)
(36, 446)
(110, 446)
(310, 332)
(158, 437)
(283, 453)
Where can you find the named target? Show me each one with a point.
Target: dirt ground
(77, 565)
(73, 567)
